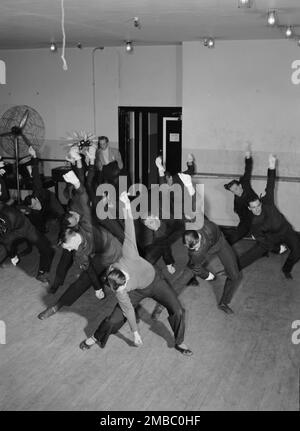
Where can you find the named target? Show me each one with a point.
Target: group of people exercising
(120, 254)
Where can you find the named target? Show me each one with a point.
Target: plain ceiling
(27, 24)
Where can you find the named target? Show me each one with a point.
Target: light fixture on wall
(245, 3)
(128, 46)
(209, 42)
(136, 22)
(288, 32)
(298, 42)
(53, 47)
(272, 18)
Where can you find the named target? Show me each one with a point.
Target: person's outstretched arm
(119, 159)
(248, 167)
(270, 188)
(161, 170)
(129, 249)
(82, 201)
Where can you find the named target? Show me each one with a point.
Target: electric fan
(20, 127)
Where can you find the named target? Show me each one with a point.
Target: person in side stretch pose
(93, 248)
(132, 279)
(14, 227)
(270, 228)
(205, 242)
(243, 192)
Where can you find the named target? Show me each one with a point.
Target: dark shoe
(84, 346)
(225, 308)
(287, 275)
(137, 311)
(52, 289)
(43, 277)
(47, 313)
(157, 311)
(185, 352)
(193, 282)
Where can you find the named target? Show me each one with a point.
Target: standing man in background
(107, 154)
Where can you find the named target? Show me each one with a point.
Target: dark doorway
(145, 133)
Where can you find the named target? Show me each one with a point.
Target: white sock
(283, 248)
(171, 268)
(90, 341)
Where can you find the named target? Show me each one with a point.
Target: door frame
(162, 111)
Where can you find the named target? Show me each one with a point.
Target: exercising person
(132, 279)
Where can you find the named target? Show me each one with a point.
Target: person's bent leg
(114, 322)
(110, 325)
(73, 292)
(43, 245)
(64, 264)
(163, 293)
(293, 242)
(251, 255)
(234, 276)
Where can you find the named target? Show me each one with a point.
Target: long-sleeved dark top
(241, 202)
(270, 226)
(18, 226)
(210, 234)
(112, 225)
(4, 194)
(95, 238)
(37, 186)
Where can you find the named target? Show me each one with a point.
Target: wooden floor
(241, 362)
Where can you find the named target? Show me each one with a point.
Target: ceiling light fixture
(272, 18)
(244, 3)
(209, 42)
(53, 47)
(128, 46)
(288, 32)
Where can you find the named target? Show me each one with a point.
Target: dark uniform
(271, 229)
(213, 242)
(234, 234)
(17, 227)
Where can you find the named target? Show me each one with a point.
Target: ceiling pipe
(94, 86)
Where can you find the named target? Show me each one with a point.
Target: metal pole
(94, 86)
(17, 168)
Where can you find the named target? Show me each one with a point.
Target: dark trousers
(45, 250)
(227, 257)
(153, 253)
(162, 248)
(235, 234)
(98, 263)
(160, 291)
(115, 227)
(15, 249)
(290, 238)
(64, 264)
(29, 233)
(251, 255)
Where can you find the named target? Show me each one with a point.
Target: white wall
(237, 92)
(151, 76)
(240, 91)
